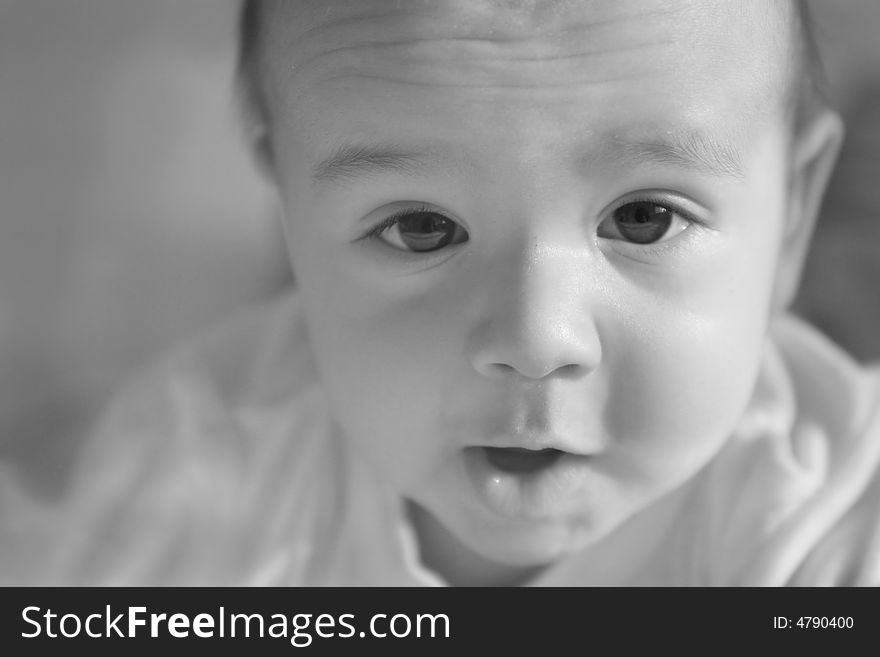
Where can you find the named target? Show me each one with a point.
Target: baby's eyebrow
(351, 161)
(689, 149)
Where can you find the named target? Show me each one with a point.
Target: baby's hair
(806, 93)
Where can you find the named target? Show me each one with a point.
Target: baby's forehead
(508, 20)
(506, 43)
(490, 19)
(297, 32)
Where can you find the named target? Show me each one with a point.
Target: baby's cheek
(677, 397)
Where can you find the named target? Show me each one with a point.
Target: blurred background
(131, 215)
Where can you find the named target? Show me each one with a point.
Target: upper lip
(531, 440)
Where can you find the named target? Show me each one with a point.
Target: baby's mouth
(518, 460)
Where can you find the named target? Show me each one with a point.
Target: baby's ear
(813, 156)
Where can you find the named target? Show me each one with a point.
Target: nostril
(499, 370)
(536, 373)
(570, 371)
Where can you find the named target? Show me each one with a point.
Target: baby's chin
(520, 544)
(537, 546)
(474, 552)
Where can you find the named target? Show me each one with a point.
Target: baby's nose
(541, 318)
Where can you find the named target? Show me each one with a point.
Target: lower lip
(526, 493)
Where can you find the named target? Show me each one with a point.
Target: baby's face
(537, 244)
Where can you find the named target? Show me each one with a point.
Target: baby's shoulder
(828, 386)
(836, 431)
(229, 392)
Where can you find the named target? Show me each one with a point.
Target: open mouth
(518, 460)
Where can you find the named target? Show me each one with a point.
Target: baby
(543, 252)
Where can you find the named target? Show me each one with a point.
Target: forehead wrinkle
(490, 20)
(410, 48)
(530, 74)
(480, 64)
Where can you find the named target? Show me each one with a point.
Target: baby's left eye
(419, 231)
(642, 222)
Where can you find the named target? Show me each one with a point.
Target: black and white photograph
(439, 293)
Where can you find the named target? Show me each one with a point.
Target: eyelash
(662, 202)
(389, 222)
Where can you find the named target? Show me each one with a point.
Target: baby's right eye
(419, 230)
